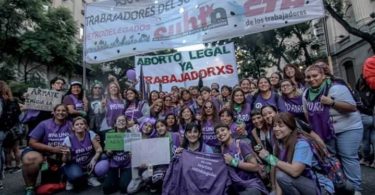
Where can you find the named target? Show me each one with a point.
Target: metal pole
(84, 52)
(328, 47)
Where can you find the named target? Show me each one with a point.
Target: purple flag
(196, 173)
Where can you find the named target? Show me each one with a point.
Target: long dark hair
(190, 127)
(80, 95)
(136, 100)
(182, 121)
(214, 113)
(174, 127)
(232, 98)
(298, 76)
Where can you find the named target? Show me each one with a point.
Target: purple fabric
(120, 160)
(295, 106)
(81, 151)
(134, 111)
(244, 116)
(196, 173)
(319, 118)
(30, 115)
(274, 100)
(114, 108)
(50, 133)
(243, 179)
(72, 100)
(208, 134)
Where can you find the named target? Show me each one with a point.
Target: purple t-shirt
(295, 106)
(50, 133)
(274, 100)
(114, 108)
(82, 151)
(72, 100)
(208, 134)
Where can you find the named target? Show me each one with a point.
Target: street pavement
(14, 185)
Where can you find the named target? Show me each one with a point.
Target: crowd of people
(274, 131)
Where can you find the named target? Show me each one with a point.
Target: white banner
(119, 28)
(215, 65)
(42, 99)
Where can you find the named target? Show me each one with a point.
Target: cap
(75, 83)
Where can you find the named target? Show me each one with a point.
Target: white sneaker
(68, 186)
(134, 185)
(92, 181)
(357, 193)
(146, 175)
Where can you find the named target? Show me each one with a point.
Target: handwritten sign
(42, 99)
(155, 151)
(129, 138)
(114, 141)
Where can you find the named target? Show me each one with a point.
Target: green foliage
(33, 32)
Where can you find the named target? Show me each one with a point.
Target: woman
(119, 174)
(193, 140)
(208, 122)
(9, 112)
(292, 99)
(241, 108)
(114, 105)
(96, 112)
(245, 87)
(135, 109)
(169, 107)
(293, 160)
(186, 116)
(45, 140)
(83, 152)
(266, 96)
(75, 100)
(214, 92)
(153, 96)
(275, 79)
(156, 109)
(172, 122)
(225, 98)
(261, 134)
(242, 159)
(332, 113)
(238, 129)
(293, 73)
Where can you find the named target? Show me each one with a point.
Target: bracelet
(234, 162)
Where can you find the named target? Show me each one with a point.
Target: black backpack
(9, 116)
(365, 95)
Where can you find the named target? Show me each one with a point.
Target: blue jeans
(2, 157)
(346, 146)
(73, 172)
(368, 140)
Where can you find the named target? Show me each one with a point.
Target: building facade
(348, 51)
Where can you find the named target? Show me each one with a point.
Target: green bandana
(315, 92)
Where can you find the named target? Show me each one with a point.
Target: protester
(266, 96)
(293, 73)
(241, 108)
(193, 140)
(157, 109)
(135, 108)
(292, 99)
(208, 122)
(82, 154)
(224, 97)
(172, 122)
(96, 111)
(293, 160)
(46, 140)
(241, 157)
(275, 79)
(75, 100)
(186, 116)
(261, 134)
(119, 175)
(331, 111)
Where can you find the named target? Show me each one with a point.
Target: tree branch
(354, 31)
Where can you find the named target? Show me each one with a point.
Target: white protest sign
(215, 64)
(119, 28)
(155, 151)
(129, 138)
(42, 99)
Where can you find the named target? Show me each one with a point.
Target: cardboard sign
(114, 141)
(42, 99)
(129, 138)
